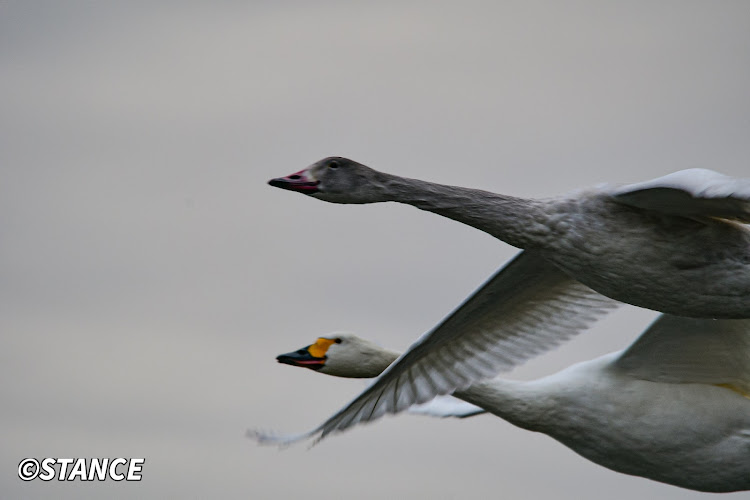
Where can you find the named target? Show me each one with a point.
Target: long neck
(368, 364)
(523, 404)
(513, 220)
(378, 362)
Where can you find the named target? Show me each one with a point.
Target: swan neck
(374, 364)
(522, 404)
(505, 217)
(386, 358)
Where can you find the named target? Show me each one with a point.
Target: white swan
(674, 244)
(673, 407)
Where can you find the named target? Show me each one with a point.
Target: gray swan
(677, 244)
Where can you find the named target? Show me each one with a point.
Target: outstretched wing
(695, 192)
(688, 350)
(525, 309)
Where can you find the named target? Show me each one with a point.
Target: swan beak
(301, 182)
(302, 358)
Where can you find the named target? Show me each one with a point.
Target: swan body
(678, 244)
(673, 407)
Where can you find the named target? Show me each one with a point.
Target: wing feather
(688, 350)
(447, 407)
(694, 192)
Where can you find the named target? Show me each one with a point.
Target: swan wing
(688, 350)
(447, 407)
(440, 407)
(695, 192)
(526, 308)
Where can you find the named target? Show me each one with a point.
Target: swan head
(341, 355)
(336, 180)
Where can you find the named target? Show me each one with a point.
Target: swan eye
(338, 340)
(334, 164)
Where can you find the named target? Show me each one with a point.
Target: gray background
(149, 276)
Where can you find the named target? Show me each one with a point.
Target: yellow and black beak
(302, 358)
(312, 356)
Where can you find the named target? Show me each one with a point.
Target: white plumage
(673, 407)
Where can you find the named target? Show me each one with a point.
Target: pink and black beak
(302, 358)
(300, 181)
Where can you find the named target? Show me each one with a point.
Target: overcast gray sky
(149, 276)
